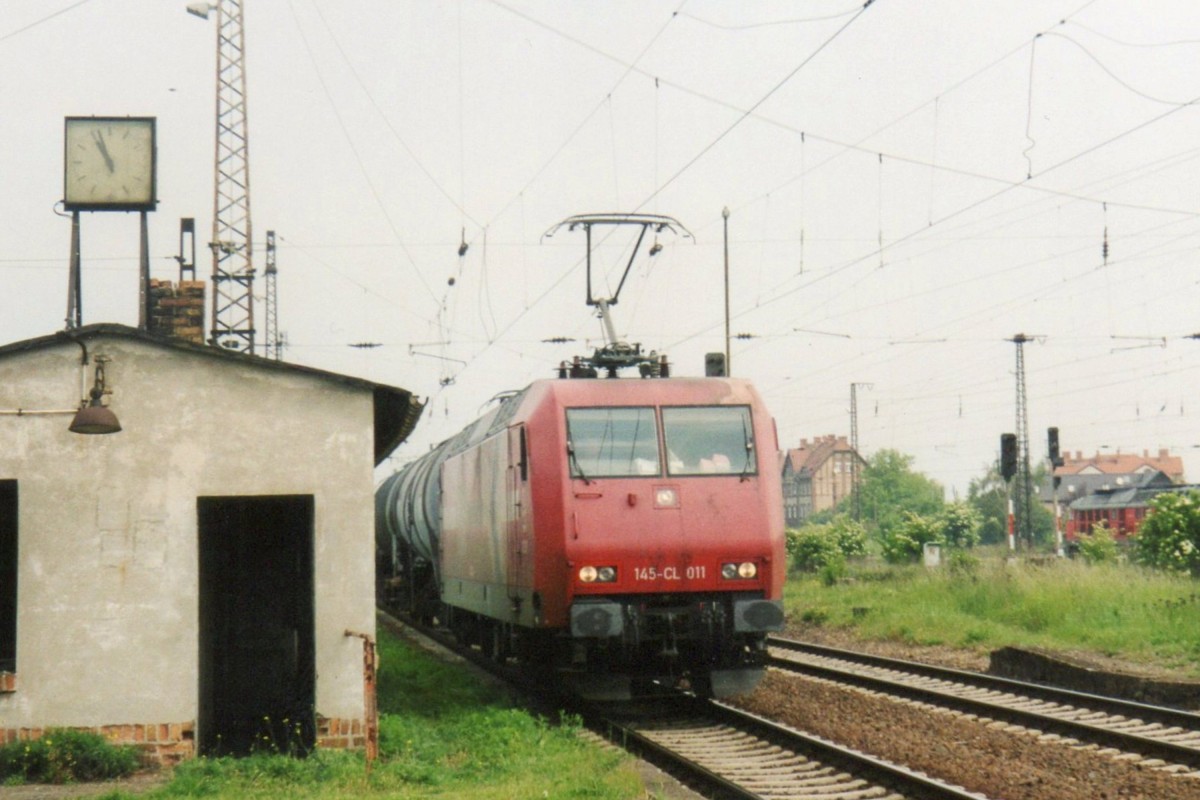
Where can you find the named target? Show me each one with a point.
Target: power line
(750, 111)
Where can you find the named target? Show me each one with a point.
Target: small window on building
(8, 576)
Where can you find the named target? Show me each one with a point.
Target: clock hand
(99, 139)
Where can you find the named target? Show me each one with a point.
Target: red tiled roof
(1122, 464)
(811, 455)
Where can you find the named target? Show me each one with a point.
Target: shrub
(905, 542)
(1169, 537)
(63, 756)
(963, 565)
(960, 525)
(1100, 547)
(849, 535)
(812, 547)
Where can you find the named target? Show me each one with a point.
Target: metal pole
(144, 275)
(857, 505)
(74, 282)
(1024, 474)
(728, 355)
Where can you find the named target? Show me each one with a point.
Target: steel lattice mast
(854, 470)
(272, 346)
(233, 267)
(1024, 485)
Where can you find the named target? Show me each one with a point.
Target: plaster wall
(107, 609)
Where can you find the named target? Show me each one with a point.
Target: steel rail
(1163, 715)
(856, 766)
(1145, 746)
(639, 741)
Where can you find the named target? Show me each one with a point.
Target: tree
(1169, 537)
(890, 489)
(989, 496)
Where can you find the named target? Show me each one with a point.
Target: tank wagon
(624, 532)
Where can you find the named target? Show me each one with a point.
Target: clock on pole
(109, 164)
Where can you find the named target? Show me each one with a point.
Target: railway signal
(1008, 456)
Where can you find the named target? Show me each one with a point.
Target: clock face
(109, 163)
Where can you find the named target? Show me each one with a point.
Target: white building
(188, 582)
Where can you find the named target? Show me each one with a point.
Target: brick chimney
(177, 312)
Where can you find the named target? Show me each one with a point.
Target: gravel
(988, 758)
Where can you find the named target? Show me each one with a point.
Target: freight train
(625, 532)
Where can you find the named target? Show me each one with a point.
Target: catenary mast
(233, 266)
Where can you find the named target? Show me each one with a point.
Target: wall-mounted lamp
(91, 416)
(95, 417)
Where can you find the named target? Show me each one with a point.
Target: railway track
(727, 753)
(1163, 737)
(717, 749)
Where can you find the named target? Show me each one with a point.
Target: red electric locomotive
(624, 531)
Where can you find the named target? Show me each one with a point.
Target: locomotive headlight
(745, 570)
(666, 497)
(591, 574)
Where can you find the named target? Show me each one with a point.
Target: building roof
(1132, 496)
(1075, 487)
(811, 455)
(396, 410)
(1122, 464)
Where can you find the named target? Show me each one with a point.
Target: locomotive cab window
(708, 440)
(612, 442)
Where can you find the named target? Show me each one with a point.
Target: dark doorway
(8, 576)
(257, 655)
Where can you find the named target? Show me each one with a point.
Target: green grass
(1115, 610)
(64, 756)
(443, 734)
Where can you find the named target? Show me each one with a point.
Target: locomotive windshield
(612, 442)
(707, 440)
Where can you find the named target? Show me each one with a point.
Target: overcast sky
(910, 185)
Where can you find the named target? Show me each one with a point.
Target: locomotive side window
(612, 442)
(707, 440)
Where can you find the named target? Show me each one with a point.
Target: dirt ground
(134, 784)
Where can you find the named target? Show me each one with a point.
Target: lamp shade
(94, 419)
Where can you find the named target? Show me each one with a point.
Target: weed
(65, 756)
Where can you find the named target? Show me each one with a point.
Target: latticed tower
(273, 347)
(233, 266)
(1024, 484)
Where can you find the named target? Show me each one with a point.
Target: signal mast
(617, 354)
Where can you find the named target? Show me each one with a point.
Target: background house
(817, 476)
(1122, 464)
(1081, 476)
(188, 582)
